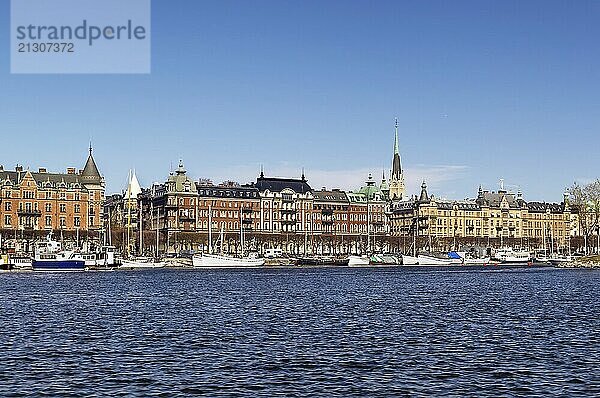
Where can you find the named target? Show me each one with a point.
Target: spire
(396, 163)
(396, 150)
(424, 196)
(262, 171)
(90, 173)
(303, 176)
(180, 170)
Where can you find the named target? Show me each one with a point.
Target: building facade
(33, 204)
(492, 219)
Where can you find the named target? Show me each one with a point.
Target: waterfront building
(34, 203)
(492, 219)
(233, 209)
(171, 209)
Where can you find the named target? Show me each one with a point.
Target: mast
(128, 215)
(209, 229)
(241, 233)
(157, 221)
(141, 227)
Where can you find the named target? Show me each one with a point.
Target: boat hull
(323, 262)
(59, 266)
(129, 264)
(214, 261)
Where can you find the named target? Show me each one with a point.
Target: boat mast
(157, 221)
(241, 233)
(128, 215)
(209, 229)
(141, 227)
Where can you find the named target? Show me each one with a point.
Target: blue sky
(483, 91)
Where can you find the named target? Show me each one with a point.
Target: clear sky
(482, 90)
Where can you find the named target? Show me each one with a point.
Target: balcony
(247, 210)
(32, 213)
(288, 211)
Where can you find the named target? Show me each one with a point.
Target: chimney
(1, 167)
(42, 170)
(19, 168)
(70, 170)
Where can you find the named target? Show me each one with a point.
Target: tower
(397, 188)
(94, 183)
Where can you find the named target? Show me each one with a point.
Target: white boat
(477, 261)
(20, 262)
(510, 256)
(409, 260)
(433, 261)
(202, 260)
(141, 263)
(559, 260)
(358, 261)
(223, 261)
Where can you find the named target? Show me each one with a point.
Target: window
(63, 208)
(77, 221)
(48, 207)
(48, 221)
(7, 206)
(63, 222)
(7, 220)
(77, 208)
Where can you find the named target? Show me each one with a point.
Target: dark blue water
(301, 332)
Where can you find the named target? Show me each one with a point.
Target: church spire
(396, 150)
(397, 188)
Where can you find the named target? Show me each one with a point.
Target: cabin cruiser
(49, 256)
(510, 256)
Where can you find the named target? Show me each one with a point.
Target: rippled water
(301, 332)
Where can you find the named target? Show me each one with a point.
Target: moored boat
(358, 261)
(49, 256)
(223, 261)
(324, 261)
(141, 263)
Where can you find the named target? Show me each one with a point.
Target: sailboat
(209, 260)
(137, 262)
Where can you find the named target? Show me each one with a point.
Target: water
(301, 332)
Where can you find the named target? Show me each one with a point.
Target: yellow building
(492, 219)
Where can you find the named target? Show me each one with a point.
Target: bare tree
(585, 201)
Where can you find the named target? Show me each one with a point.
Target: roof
(43, 180)
(279, 184)
(330, 196)
(495, 199)
(543, 207)
(242, 192)
(90, 173)
(180, 182)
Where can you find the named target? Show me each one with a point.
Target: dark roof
(43, 180)
(494, 199)
(90, 173)
(242, 192)
(330, 196)
(279, 184)
(542, 207)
